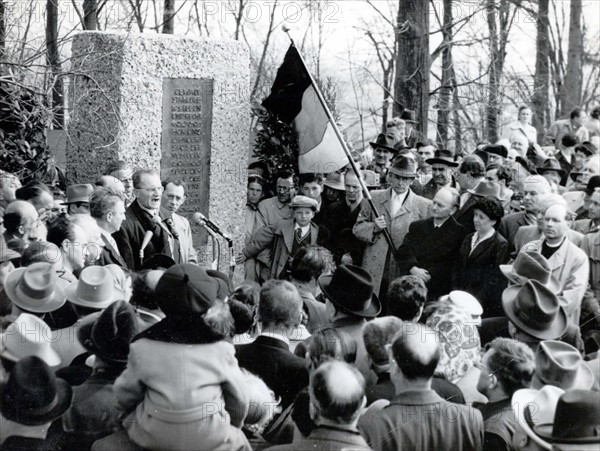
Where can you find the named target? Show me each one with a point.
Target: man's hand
(380, 224)
(421, 273)
(240, 259)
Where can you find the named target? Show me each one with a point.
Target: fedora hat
(94, 289)
(486, 189)
(530, 266)
(35, 288)
(108, 337)
(535, 309)
(496, 149)
(351, 289)
(371, 178)
(576, 419)
(533, 407)
(33, 395)
(335, 180)
(78, 193)
(443, 156)
(384, 142)
(28, 336)
(550, 164)
(409, 116)
(404, 167)
(560, 364)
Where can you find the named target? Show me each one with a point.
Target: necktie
(175, 235)
(298, 234)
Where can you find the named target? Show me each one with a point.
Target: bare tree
(169, 17)
(411, 85)
(541, 83)
(2, 37)
(90, 14)
(570, 94)
(447, 82)
(261, 64)
(53, 61)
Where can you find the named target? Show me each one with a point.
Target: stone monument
(177, 105)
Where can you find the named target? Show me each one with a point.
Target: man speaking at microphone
(142, 216)
(173, 197)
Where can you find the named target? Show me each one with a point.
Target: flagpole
(338, 133)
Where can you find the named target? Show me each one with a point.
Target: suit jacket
(339, 224)
(571, 267)
(430, 189)
(478, 272)
(186, 244)
(271, 360)
(591, 246)
(110, 255)
(279, 239)
(464, 216)
(509, 225)
(529, 233)
(376, 251)
(422, 420)
(585, 226)
(131, 234)
(433, 249)
(327, 438)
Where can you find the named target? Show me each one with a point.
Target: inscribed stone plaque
(186, 132)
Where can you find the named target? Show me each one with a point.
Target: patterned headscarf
(458, 340)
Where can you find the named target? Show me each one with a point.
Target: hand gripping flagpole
(365, 191)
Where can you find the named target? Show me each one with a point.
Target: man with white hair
(533, 187)
(569, 264)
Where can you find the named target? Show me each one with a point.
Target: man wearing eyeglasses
(180, 240)
(142, 216)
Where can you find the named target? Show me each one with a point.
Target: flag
(294, 99)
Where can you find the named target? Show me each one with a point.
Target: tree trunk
(411, 84)
(2, 38)
(169, 17)
(493, 101)
(541, 81)
(90, 14)
(572, 86)
(443, 113)
(52, 58)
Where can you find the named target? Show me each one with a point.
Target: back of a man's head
(377, 333)
(473, 165)
(310, 263)
(337, 392)
(279, 305)
(512, 363)
(406, 297)
(415, 351)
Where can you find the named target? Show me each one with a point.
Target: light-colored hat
(530, 266)
(78, 193)
(28, 336)
(335, 180)
(560, 364)
(94, 289)
(35, 288)
(304, 202)
(465, 301)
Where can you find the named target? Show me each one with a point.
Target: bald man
(20, 220)
(337, 396)
(569, 264)
(418, 418)
(533, 187)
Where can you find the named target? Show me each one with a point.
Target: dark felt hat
(350, 288)
(593, 183)
(443, 156)
(157, 261)
(587, 148)
(109, 335)
(185, 290)
(550, 164)
(576, 419)
(409, 116)
(496, 149)
(535, 309)
(404, 167)
(33, 395)
(384, 142)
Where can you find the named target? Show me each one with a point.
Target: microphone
(202, 220)
(156, 220)
(147, 237)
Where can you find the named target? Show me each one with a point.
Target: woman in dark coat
(481, 253)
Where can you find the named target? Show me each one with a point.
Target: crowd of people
(426, 301)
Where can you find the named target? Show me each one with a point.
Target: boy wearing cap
(285, 238)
